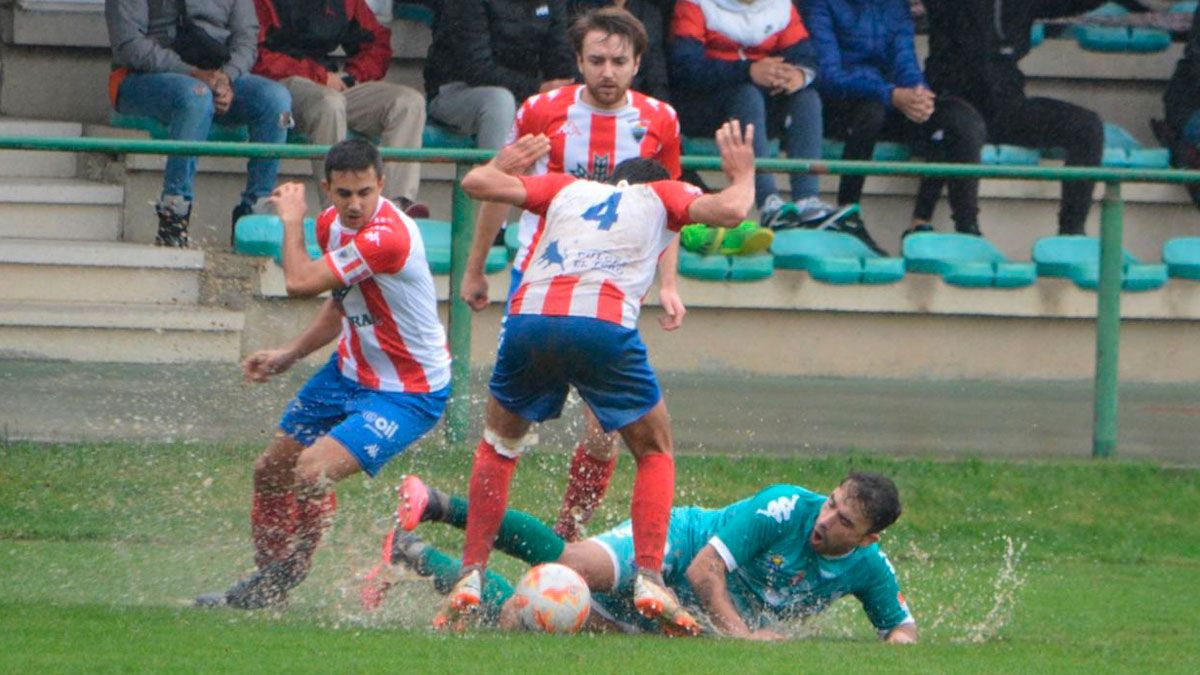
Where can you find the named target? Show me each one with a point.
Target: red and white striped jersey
(597, 254)
(731, 30)
(391, 337)
(589, 143)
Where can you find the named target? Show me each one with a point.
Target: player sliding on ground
(573, 322)
(781, 554)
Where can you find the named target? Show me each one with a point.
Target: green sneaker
(745, 239)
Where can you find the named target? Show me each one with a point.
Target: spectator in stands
(487, 55)
(186, 79)
(1181, 131)
(872, 87)
(332, 94)
(751, 60)
(974, 47)
(651, 76)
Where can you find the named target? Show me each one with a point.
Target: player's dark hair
(639, 170)
(876, 495)
(353, 154)
(610, 21)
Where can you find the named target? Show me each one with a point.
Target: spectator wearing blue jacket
(751, 60)
(873, 89)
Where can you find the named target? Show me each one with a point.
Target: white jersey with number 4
(598, 252)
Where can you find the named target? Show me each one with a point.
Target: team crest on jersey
(775, 562)
(552, 256)
(638, 129)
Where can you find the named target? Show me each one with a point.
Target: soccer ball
(552, 598)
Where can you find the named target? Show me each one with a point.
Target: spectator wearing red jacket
(331, 95)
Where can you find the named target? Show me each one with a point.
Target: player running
(782, 554)
(384, 387)
(573, 322)
(592, 128)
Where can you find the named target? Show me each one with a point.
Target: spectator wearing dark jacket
(651, 77)
(149, 77)
(872, 87)
(331, 95)
(752, 60)
(974, 48)
(1182, 104)
(487, 55)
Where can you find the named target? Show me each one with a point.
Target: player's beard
(607, 94)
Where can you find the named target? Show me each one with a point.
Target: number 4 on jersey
(605, 212)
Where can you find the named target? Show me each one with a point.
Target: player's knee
(601, 446)
(511, 448)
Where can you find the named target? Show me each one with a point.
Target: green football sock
(445, 570)
(521, 535)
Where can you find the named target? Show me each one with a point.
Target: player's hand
(289, 202)
(261, 365)
(550, 85)
(765, 635)
(673, 309)
(474, 290)
(334, 81)
(737, 149)
(767, 72)
(516, 158)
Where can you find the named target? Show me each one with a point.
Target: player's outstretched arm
(325, 326)
(497, 180)
(668, 290)
(706, 574)
(474, 287)
(730, 206)
(302, 276)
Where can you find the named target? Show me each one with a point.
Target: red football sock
(586, 489)
(314, 515)
(653, 490)
(272, 523)
(487, 498)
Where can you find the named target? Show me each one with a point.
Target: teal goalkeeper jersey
(773, 571)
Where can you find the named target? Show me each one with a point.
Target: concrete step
(118, 332)
(60, 208)
(36, 163)
(70, 271)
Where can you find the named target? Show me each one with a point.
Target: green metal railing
(1108, 319)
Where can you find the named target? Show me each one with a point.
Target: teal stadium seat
(1119, 38)
(512, 239)
(158, 131)
(1182, 257)
(1078, 258)
(964, 260)
(834, 257)
(1037, 35)
(412, 11)
(725, 268)
(436, 234)
(707, 147)
(1010, 155)
(437, 136)
(262, 235)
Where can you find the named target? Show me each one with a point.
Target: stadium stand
(1078, 259)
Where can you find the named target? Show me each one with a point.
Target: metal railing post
(462, 226)
(1108, 322)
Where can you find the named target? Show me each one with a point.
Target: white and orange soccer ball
(553, 598)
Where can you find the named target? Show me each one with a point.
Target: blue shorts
(541, 356)
(374, 426)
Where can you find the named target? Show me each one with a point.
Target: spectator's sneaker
(812, 212)
(971, 229)
(781, 218)
(461, 603)
(412, 209)
(835, 217)
(172, 227)
(916, 229)
(655, 601)
(854, 226)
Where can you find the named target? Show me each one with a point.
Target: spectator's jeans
(1047, 123)
(484, 112)
(954, 133)
(391, 114)
(797, 117)
(1191, 130)
(185, 106)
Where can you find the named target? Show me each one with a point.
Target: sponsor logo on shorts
(381, 426)
(780, 509)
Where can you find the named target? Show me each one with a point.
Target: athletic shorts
(541, 356)
(374, 426)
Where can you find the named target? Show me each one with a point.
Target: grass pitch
(1039, 566)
